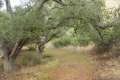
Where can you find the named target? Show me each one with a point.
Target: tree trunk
(10, 55)
(8, 6)
(40, 50)
(9, 65)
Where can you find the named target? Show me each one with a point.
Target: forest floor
(108, 68)
(59, 64)
(69, 63)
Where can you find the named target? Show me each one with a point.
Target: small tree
(19, 29)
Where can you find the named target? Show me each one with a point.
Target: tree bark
(41, 43)
(9, 64)
(40, 49)
(10, 55)
(17, 48)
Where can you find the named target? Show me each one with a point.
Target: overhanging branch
(42, 4)
(59, 2)
(64, 20)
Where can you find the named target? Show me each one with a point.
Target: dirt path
(3, 76)
(73, 68)
(66, 64)
(70, 71)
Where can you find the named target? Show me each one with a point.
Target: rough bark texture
(10, 54)
(40, 49)
(41, 43)
(8, 62)
(9, 65)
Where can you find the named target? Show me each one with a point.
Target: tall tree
(8, 6)
(10, 49)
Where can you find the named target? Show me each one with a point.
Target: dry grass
(65, 64)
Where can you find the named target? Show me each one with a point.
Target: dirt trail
(67, 64)
(74, 68)
(71, 72)
(3, 76)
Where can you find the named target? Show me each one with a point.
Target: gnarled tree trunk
(10, 54)
(40, 49)
(9, 65)
(41, 45)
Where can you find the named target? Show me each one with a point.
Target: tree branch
(17, 48)
(59, 2)
(42, 4)
(64, 20)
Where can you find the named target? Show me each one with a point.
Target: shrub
(73, 39)
(62, 42)
(30, 58)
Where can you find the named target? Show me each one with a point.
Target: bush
(62, 42)
(31, 47)
(30, 58)
(74, 40)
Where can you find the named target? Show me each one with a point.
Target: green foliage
(86, 14)
(54, 20)
(35, 23)
(82, 39)
(4, 23)
(62, 42)
(74, 39)
(31, 47)
(30, 58)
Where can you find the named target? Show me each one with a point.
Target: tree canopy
(43, 20)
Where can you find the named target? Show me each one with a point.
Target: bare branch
(59, 2)
(42, 4)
